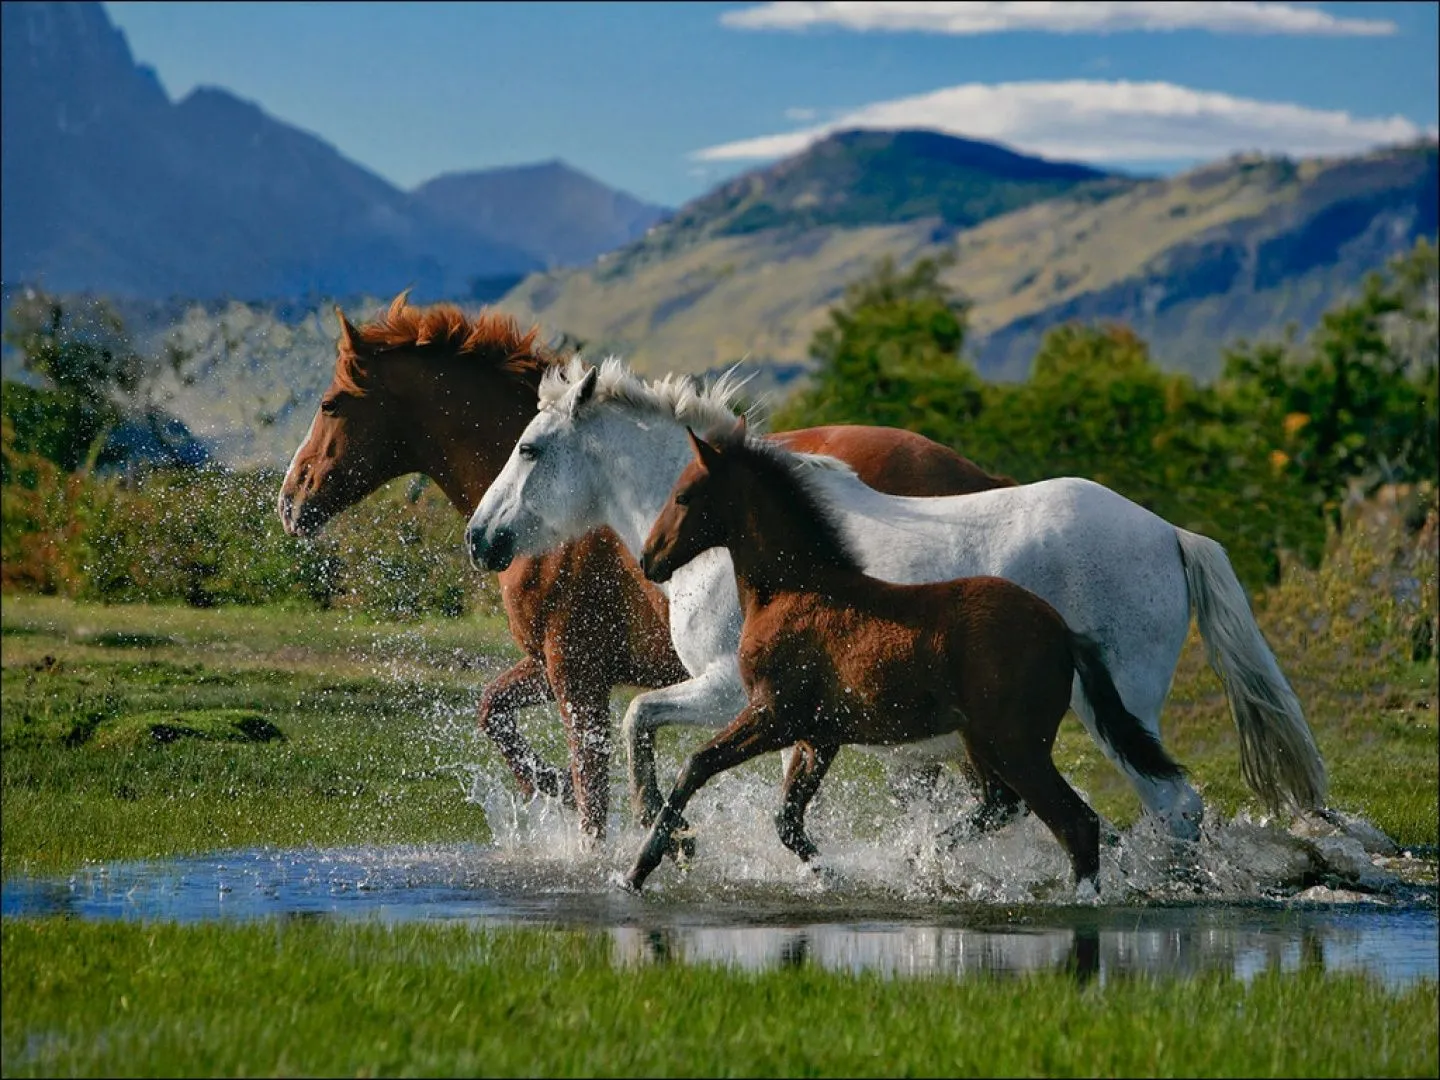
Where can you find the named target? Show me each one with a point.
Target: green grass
(136, 731)
(302, 998)
(139, 731)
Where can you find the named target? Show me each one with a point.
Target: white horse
(606, 447)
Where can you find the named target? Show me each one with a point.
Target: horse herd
(840, 585)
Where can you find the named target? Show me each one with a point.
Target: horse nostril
(500, 552)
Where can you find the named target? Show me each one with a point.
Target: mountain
(110, 187)
(554, 212)
(1238, 247)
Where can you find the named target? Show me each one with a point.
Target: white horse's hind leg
(711, 699)
(1174, 802)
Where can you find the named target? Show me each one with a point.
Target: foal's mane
(795, 480)
(673, 397)
(440, 332)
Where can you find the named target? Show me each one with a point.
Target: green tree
(890, 355)
(1355, 406)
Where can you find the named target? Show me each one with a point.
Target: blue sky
(666, 99)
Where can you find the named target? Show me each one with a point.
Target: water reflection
(758, 925)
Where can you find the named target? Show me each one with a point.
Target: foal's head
(756, 499)
(407, 389)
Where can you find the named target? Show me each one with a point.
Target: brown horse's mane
(439, 331)
(791, 476)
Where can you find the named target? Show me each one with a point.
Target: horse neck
(776, 548)
(463, 420)
(643, 457)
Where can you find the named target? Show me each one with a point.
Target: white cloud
(1090, 120)
(1072, 17)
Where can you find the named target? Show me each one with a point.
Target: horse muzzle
(494, 552)
(655, 568)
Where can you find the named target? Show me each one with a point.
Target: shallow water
(1242, 899)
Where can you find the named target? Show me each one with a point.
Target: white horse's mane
(672, 397)
(684, 399)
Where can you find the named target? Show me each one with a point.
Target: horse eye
(330, 406)
(528, 451)
(682, 498)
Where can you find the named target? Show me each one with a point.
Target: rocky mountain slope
(110, 187)
(1238, 247)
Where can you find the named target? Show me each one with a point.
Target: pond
(1247, 898)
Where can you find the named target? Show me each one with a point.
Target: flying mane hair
(798, 475)
(440, 330)
(673, 397)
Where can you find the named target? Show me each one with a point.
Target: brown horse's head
(419, 389)
(690, 522)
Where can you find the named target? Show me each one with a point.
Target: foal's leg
(808, 766)
(1029, 769)
(999, 804)
(523, 685)
(757, 730)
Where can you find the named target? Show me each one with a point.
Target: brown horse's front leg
(757, 730)
(523, 685)
(585, 708)
(808, 767)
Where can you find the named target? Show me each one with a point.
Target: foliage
(1250, 460)
(891, 354)
(210, 536)
(1357, 404)
(311, 997)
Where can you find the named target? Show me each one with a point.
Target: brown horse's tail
(1117, 725)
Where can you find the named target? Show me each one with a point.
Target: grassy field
(308, 999)
(135, 731)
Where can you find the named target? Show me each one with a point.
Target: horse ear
(740, 428)
(585, 391)
(704, 452)
(347, 331)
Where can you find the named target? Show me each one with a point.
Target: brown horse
(431, 390)
(831, 656)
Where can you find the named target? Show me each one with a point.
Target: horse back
(893, 460)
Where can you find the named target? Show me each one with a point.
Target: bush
(210, 536)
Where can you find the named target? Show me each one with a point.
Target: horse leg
(699, 702)
(808, 766)
(1029, 771)
(1174, 802)
(757, 730)
(999, 804)
(584, 703)
(523, 685)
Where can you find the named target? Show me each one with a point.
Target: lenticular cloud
(1090, 120)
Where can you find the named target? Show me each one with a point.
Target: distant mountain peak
(565, 216)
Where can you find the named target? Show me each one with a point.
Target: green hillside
(1237, 247)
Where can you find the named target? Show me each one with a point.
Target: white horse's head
(603, 449)
(542, 490)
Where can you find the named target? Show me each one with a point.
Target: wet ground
(1248, 897)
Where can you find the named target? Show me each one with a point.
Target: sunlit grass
(136, 731)
(318, 998)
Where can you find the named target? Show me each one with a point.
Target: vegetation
(1260, 460)
(180, 677)
(290, 999)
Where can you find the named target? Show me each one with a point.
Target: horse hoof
(684, 849)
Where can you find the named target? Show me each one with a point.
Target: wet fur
(831, 656)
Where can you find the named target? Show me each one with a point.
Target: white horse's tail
(1278, 757)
